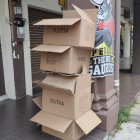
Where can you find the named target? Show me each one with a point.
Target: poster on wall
(102, 58)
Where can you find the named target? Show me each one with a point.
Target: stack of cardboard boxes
(66, 98)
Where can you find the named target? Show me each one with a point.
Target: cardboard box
(63, 59)
(73, 133)
(64, 128)
(67, 96)
(92, 13)
(64, 104)
(70, 31)
(38, 101)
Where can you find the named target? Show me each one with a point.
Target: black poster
(102, 59)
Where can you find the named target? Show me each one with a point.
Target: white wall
(6, 45)
(129, 4)
(48, 5)
(127, 41)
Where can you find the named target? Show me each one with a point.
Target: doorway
(36, 38)
(126, 47)
(126, 36)
(2, 83)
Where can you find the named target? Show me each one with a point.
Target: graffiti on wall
(102, 59)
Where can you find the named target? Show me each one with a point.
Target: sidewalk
(130, 130)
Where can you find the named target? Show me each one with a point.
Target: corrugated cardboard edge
(88, 121)
(84, 70)
(52, 82)
(51, 48)
(58, 22)
(38, 101)
(83, 14)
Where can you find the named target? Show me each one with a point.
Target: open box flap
(84, 70)
(51, 48)
(66, 74)
(92, 13)
(38, 101)
(51, 121)
(88, 121)
(83, 82)
(83, 14)
(60, 82)
(58, 22)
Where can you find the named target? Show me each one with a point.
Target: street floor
(15, 122)
(130, 131)
(15, 116)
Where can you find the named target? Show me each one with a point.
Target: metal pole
(117, 45)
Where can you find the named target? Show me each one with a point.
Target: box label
(54, 58)
(81, 59)
(57, 102)
(62, 29)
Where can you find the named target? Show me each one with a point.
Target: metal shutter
(36, 38)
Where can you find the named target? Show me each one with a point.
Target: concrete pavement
(130, 130)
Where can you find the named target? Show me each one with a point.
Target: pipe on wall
(117, 45)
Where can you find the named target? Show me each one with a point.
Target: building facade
(16, 65)
(19, 66)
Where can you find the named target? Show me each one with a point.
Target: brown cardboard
(72, 133)
(74, 84)
(87, 121)
(66, 105)
(74, 106)
(67, 96)
(52, 121)
(63, 59)
(58, 22)
(66, 128)
(70, 31)
(92, 13)
(38, 101)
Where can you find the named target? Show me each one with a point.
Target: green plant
(124, 115)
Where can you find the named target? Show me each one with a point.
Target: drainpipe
(117, 45)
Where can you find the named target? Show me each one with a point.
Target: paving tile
(16, 109)
(43, 136)
(135, 119)
(129, 131)
(136, 110)
(16, 125)
(16, 115)
(135, 114)
(9, 126)
(11, 138)
(129, 87)
(26, 133)
(2, 136)
(138, 100)
(86, 138)
(33, 132)
(98, 135)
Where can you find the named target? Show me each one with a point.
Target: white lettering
(97, 70)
